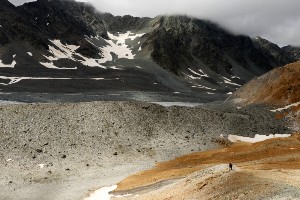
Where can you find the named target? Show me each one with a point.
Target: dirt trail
(268, 170)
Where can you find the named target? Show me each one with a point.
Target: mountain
(56, 46)
(279, 88)
(292, 51)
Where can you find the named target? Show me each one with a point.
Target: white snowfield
(12, 65)
(67, 51)
(119, 47)
(286, 107)
(116, 45)
(257, 138)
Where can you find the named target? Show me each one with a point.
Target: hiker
(230, 166)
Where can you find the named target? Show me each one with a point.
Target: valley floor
(65, 151)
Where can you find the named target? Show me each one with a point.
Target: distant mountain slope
(72, 45)
(279, 88)
(292, 51)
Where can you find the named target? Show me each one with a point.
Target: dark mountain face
(73, 46)
(182, 38)
(291, 51)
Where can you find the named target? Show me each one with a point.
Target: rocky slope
(73, 47)
(279, 88)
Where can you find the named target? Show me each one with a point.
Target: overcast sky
(276, 20)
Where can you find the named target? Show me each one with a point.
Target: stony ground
(62, 151)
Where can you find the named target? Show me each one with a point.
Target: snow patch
(236, 77)
(182, 104)
(286, 107)
(257, 138)
(201, 73)
(97, 79)
(202, 87)
(29, 53)
(41, 166)
(102, 193)
(228, 81)
(52, 66)
(11, 65)
(116, 68)
(14, 80)
(118, 46)
(121, 196)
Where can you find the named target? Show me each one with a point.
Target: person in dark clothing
(230, 166)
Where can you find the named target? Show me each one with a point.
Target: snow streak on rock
(286, 107)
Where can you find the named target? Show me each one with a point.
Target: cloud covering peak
(276, 20)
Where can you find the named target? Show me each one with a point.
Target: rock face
(59, 41)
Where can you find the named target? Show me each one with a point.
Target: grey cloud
(19, 2)
(276, 20)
